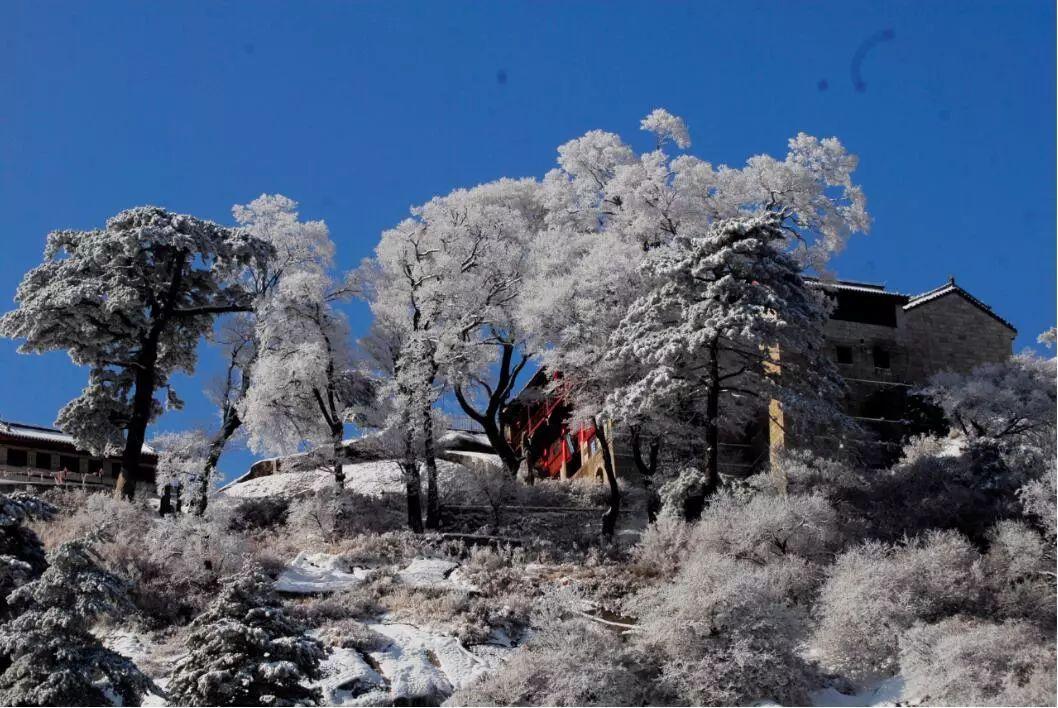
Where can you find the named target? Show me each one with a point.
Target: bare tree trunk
(647, 470)
(337, 433)
(142, 405)
(489, 419)
(712, 423)
(412, 483)
(433, 507)
(229, 425)
(609, 519)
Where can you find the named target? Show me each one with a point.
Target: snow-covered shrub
(726, 631)
(965, 661)
(575, 662)
(180, 563)
(767, 527)
(1018, 570)
(244, 650)
(21, 551)
(1038, 500)
(84, 513)
(876, 591)
(329, 515)
(662, 545)
(258, 513)
(681, 496)
(323, 610)
(49, 657)
(353, 634)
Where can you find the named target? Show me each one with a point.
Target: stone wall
(952, 334)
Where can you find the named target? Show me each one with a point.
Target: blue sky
(360, 110)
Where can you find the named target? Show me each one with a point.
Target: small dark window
(69, 463)
(881, 358)
(115, 469)
(844, 355)
(43, 461)
(17, 458)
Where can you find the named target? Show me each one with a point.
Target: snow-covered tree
(21, 552)
(244, 650)
(1000, 406)
(609, 209)
(724, 323)
(47, 653)
(131, 301)
(238, 340)
(304, 383)
(299, 246)
(181, 459)
(448, 277)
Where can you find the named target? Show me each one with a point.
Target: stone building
(884, 344)
(33, 456)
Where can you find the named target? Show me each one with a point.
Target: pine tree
(47, 654)
(244, 650)
(21, 552)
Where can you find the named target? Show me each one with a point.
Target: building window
(844, 355)
(881, 358)
(43, 461)
(17, 458)
(69, 463)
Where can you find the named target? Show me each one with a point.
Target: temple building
(33, 456)
(884, 344)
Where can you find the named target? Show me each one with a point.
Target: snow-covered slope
(371, 479)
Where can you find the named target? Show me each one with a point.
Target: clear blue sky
(360, 110)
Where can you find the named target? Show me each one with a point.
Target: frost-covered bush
(21, 551)
(682, 495)
(1038, 500)
(663, 545)
(178, 567)
(965, 661)
(244, 650)
(83, 513)
(258, 513)
(49, 656)
(726, 631)
(874, 592)
(329, 515)
(766, 527)
(575, 662)
(1018, 571)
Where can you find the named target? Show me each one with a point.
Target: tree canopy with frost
(304, 383)
(1000, 405)
(131, 301)
(244, 650)
(724, 324)
(49, 655)
(21, 552)
(298, 246)
(608, 210)
(442, 286)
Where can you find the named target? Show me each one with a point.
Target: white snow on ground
(419, 666)
(323, 572)
(318, 572)
(371, 479)
(136, 647)
(346, 677)
(886, 692)
(434, 573)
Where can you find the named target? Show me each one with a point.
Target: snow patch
(317, 573)
(369, 479)
(886, 692)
